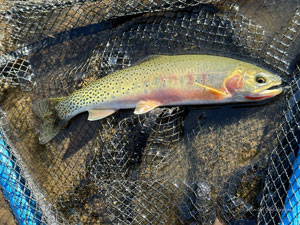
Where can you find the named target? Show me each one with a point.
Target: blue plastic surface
(291, 212)
(12, 184)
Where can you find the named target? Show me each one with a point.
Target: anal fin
(146, 106)
(97, 114)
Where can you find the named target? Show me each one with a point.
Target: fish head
(252, 84)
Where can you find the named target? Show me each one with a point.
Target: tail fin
(45, 110)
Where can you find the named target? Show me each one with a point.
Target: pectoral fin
(146, 106)
(97, 114)
(212, 90)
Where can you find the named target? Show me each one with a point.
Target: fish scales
(176, 72)
(165, 81)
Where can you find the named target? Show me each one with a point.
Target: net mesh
(176, 165)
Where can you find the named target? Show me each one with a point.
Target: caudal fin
(45, 110)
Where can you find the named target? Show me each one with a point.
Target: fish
(162, 80)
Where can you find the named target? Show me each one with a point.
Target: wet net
(231, 164)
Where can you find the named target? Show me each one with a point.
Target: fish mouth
(270, 91)
(273, 89)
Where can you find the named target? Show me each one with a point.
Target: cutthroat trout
(161, 81)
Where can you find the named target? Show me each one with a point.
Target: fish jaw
(265, 94)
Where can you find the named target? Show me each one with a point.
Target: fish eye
(260, 79)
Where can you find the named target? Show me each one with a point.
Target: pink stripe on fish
(204, 78)
(168, 78)
(167, 97)
(191, 79)
(171, 77)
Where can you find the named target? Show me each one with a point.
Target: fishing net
(174, 165)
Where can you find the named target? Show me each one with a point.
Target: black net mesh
(283, 161)
(173, 165)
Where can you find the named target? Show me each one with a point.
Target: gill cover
(252, 83)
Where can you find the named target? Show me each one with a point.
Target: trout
(161, 81)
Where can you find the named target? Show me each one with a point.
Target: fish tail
(52, 124)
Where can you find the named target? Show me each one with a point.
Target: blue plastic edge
(12, 184)
(291, 211)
